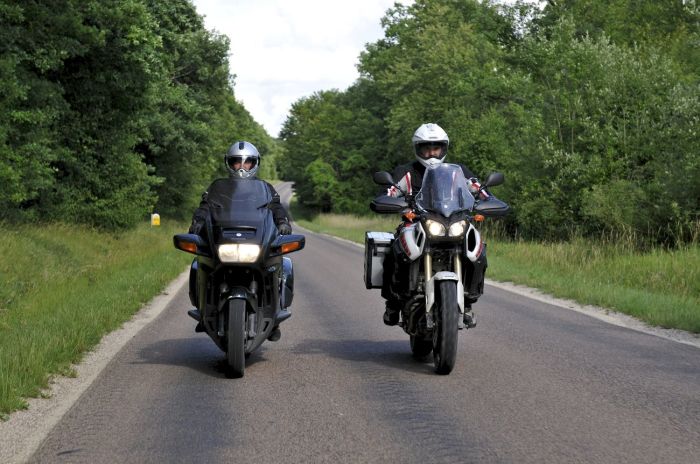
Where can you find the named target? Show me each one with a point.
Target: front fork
(430, 280)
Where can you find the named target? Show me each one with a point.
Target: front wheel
(446, 329)
(236, 338)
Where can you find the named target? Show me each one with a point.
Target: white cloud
(284, 50)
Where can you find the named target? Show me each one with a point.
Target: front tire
(446, 331)
(236, 338)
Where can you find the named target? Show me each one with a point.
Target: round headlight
(457, 228)
(435, 228)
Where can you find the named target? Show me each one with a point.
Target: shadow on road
(199, 354)
(386, 353)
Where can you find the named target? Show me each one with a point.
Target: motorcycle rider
(430, 143)
(242, 162)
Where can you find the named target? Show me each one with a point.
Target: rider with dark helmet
(430, 144)
(242, 162)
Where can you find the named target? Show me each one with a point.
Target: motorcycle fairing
(411, 240)
(444, 190)
(473, 245)
(238, 209)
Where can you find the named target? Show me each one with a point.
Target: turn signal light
(479, 217)
(289, 247)
(187, 246)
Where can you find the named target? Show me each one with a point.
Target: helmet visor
(431, 150)
(242, 162)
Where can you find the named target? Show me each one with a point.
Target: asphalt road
(533, 383)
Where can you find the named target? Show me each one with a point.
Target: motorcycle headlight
(238, 252)
(435, 228)
(457, 228)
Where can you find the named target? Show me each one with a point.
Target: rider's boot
(469, 317)
(275, 334)
(392, 312)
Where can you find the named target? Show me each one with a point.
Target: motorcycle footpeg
(195, 314)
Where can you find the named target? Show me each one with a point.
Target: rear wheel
(236, 338)
(446, 329)
(420, 347)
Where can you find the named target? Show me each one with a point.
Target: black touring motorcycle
(241, 284)
(440, 248)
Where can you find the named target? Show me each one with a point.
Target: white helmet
(430, 136)
(242, 160)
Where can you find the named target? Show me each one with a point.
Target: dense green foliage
(111, 109)
(590, 109)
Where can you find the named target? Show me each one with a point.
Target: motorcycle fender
(242, 293)
(430, 290)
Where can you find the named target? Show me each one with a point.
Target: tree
(112, 108)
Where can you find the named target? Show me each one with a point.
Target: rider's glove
(476, 190)
(474, 185)
(198, 223)
(284, 228)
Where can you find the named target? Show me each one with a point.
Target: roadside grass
(659, 287)
(63, 287)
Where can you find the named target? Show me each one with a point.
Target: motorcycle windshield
(444, 190)
(238, 202)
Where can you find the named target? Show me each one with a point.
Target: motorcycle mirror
(383, 178)
(493, 179)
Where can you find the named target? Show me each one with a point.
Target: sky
(284, 50)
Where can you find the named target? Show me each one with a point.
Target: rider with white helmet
(430, 143)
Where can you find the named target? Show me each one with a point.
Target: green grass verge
(659, 287)
(64, 287)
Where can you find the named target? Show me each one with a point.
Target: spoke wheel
(446, 329)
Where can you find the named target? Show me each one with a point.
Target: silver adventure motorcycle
(435, 252)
